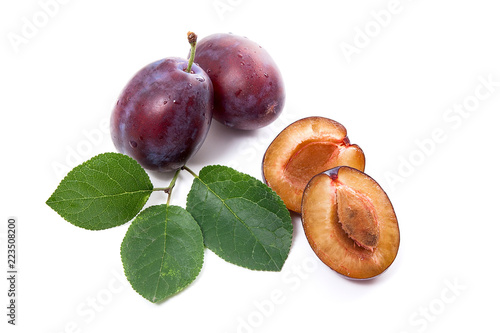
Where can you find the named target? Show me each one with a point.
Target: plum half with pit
(304, 149)
(249, 91)
(164, 113)
(350, 222)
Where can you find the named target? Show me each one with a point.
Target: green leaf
(162, 252)
(243, 221)
(106, 191)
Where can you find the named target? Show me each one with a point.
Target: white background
(404, 83)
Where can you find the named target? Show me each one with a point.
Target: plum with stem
(164, 113)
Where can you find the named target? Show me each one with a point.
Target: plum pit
(357, 217)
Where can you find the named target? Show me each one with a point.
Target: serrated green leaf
(162, 252)
(106, 191)
(242, 219)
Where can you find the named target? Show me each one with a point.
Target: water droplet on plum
(133, 144)
(200, 79)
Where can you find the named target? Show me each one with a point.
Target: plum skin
(248, 86)
(163, 114)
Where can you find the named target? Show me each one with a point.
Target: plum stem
(170, 187)
(192, 38)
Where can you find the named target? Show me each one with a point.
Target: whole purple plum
(163, 114)
(248, 88)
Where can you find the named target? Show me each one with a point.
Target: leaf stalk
(190, 171)
(170, 187)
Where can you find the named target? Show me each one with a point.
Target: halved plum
(304, 149)
(350, 222)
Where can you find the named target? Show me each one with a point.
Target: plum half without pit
(350, 223)
(304, 149)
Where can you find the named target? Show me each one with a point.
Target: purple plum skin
(248, 86)
(163, 114)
